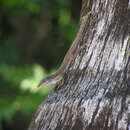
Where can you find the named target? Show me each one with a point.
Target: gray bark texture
(96, 90)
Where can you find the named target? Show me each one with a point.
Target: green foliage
(63, 2)
(24, 6)
(32, 32)
(6, 110)
(26, 97)
(67, 25)
(10, 49)
(13, 3)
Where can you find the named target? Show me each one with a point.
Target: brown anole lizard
(70, 55)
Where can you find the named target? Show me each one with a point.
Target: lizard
(70, 55)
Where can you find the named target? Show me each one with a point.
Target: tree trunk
(96, 90)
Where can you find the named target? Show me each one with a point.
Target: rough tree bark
(96, 90)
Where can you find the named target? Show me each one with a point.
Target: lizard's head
(45, 81)
(49, 80)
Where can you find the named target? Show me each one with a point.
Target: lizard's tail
(51, 79)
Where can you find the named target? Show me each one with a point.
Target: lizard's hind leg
(59, 85)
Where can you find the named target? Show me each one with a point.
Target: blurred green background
(34, 37)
